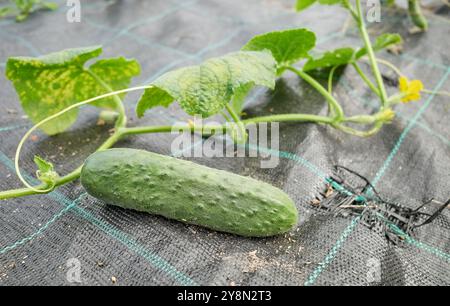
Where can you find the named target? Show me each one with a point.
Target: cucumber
(188, 192)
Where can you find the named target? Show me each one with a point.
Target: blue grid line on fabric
(56, 216)
(424, 61)
(406, 131)
(334, 251)
(429, 130)
(219, 44)
(348, 230)
(199, 11)
(291, 156)
(25, 43)
(12, 127)
(418, 244)
(161, 15)
(163, 70)
(118, 235)
(152, 43)
(133, 245)
(41, 229)
(375, 103)
(200, 53)
(197, 56)
(123, 30)
(306, 163)
(428, 248)
(137, 38)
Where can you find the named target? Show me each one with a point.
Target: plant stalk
(333, 103)
(371, 55)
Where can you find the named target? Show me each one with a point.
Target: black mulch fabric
(408, 162)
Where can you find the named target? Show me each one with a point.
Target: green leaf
(51, 83)
(238, 100)
(50, 5)
(341, 56)
(303, 4)
(207, 88)
(116, 73)
(43, 165)
(45, 173)
(383, 41)
(287, 47)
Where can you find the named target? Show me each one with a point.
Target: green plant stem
(399, 73)
(361, 119)
(333, 103)
(330, 89)
(416, 15)
(330, 79)
(290, 118)
(241, 137)
(395, 99)
(375, 129)
(60, 181)
(204, 129)
(232, 113)
(349, 7)
(371, 55)
(440, 93)
(224, 115)
(366, 79)
(123, 132)
(390, 65)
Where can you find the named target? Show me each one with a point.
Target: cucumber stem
(127, 131)
(366, 79)
(371, 55)
(415, 12)
(332, 102)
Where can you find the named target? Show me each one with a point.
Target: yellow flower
(411, 89)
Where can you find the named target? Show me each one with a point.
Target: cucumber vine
(50, 86)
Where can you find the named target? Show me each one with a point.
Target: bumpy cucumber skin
(188, 192)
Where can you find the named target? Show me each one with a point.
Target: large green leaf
(51, 83)
(381, 42)
(207, 88)
(343, 56)
(287, 47)
(303, 4)
(338, 57)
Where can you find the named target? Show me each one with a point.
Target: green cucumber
(188, 192)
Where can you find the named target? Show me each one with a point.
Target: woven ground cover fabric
(408, 162)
